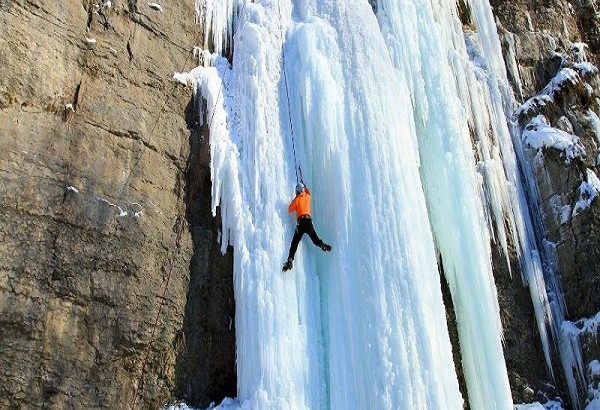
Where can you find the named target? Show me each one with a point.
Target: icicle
(217, 19)
(425, 37)
(537, 269)
(572, 360)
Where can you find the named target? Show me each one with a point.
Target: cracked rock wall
(97, 163)
(543, 38)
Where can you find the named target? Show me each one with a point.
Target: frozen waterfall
(381, 112)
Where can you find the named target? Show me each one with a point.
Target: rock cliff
(547, 47)
(99, 154)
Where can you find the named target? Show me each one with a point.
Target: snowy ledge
(539, 135)
(567, 78)
(586, 69)
(588, 191)
(192, 77)
(549, 405)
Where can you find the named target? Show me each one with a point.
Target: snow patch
(156, 209)
(594, 404)
(590, 325)
(530, 406)
(566, 77)
(90, 40)
(594, 368)
(72, 188)
(586, 69)
(538, 134)
(155, 6)
(190, 78)
(549, 405)
(588, 191)
(561, 212)
(565, 213)
(533, 104)
(226, 404)
(122, 212)
(578, 52)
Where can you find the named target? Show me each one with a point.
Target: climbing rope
(180, 229)
(287, 94)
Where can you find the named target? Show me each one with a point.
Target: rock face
(546, 65)
(97, 164)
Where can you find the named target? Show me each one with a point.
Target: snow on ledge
(122, 212)
(565, 78)
(590, 325)
(191, 77)
(588, 191)
(549, 405)
(586, 68)
(538, 134)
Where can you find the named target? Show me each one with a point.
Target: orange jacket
(301, 204)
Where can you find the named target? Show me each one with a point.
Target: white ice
(594, 368)
(578, 51)
(586, 68)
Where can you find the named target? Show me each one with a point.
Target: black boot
(325, 247)
(288, 264)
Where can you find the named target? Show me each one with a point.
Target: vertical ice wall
(464, 202)
(386, 343)
(361, 96)
(484, 92)
(364, 326)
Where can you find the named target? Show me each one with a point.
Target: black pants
(303, 226)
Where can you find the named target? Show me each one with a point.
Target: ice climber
(301, 205)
